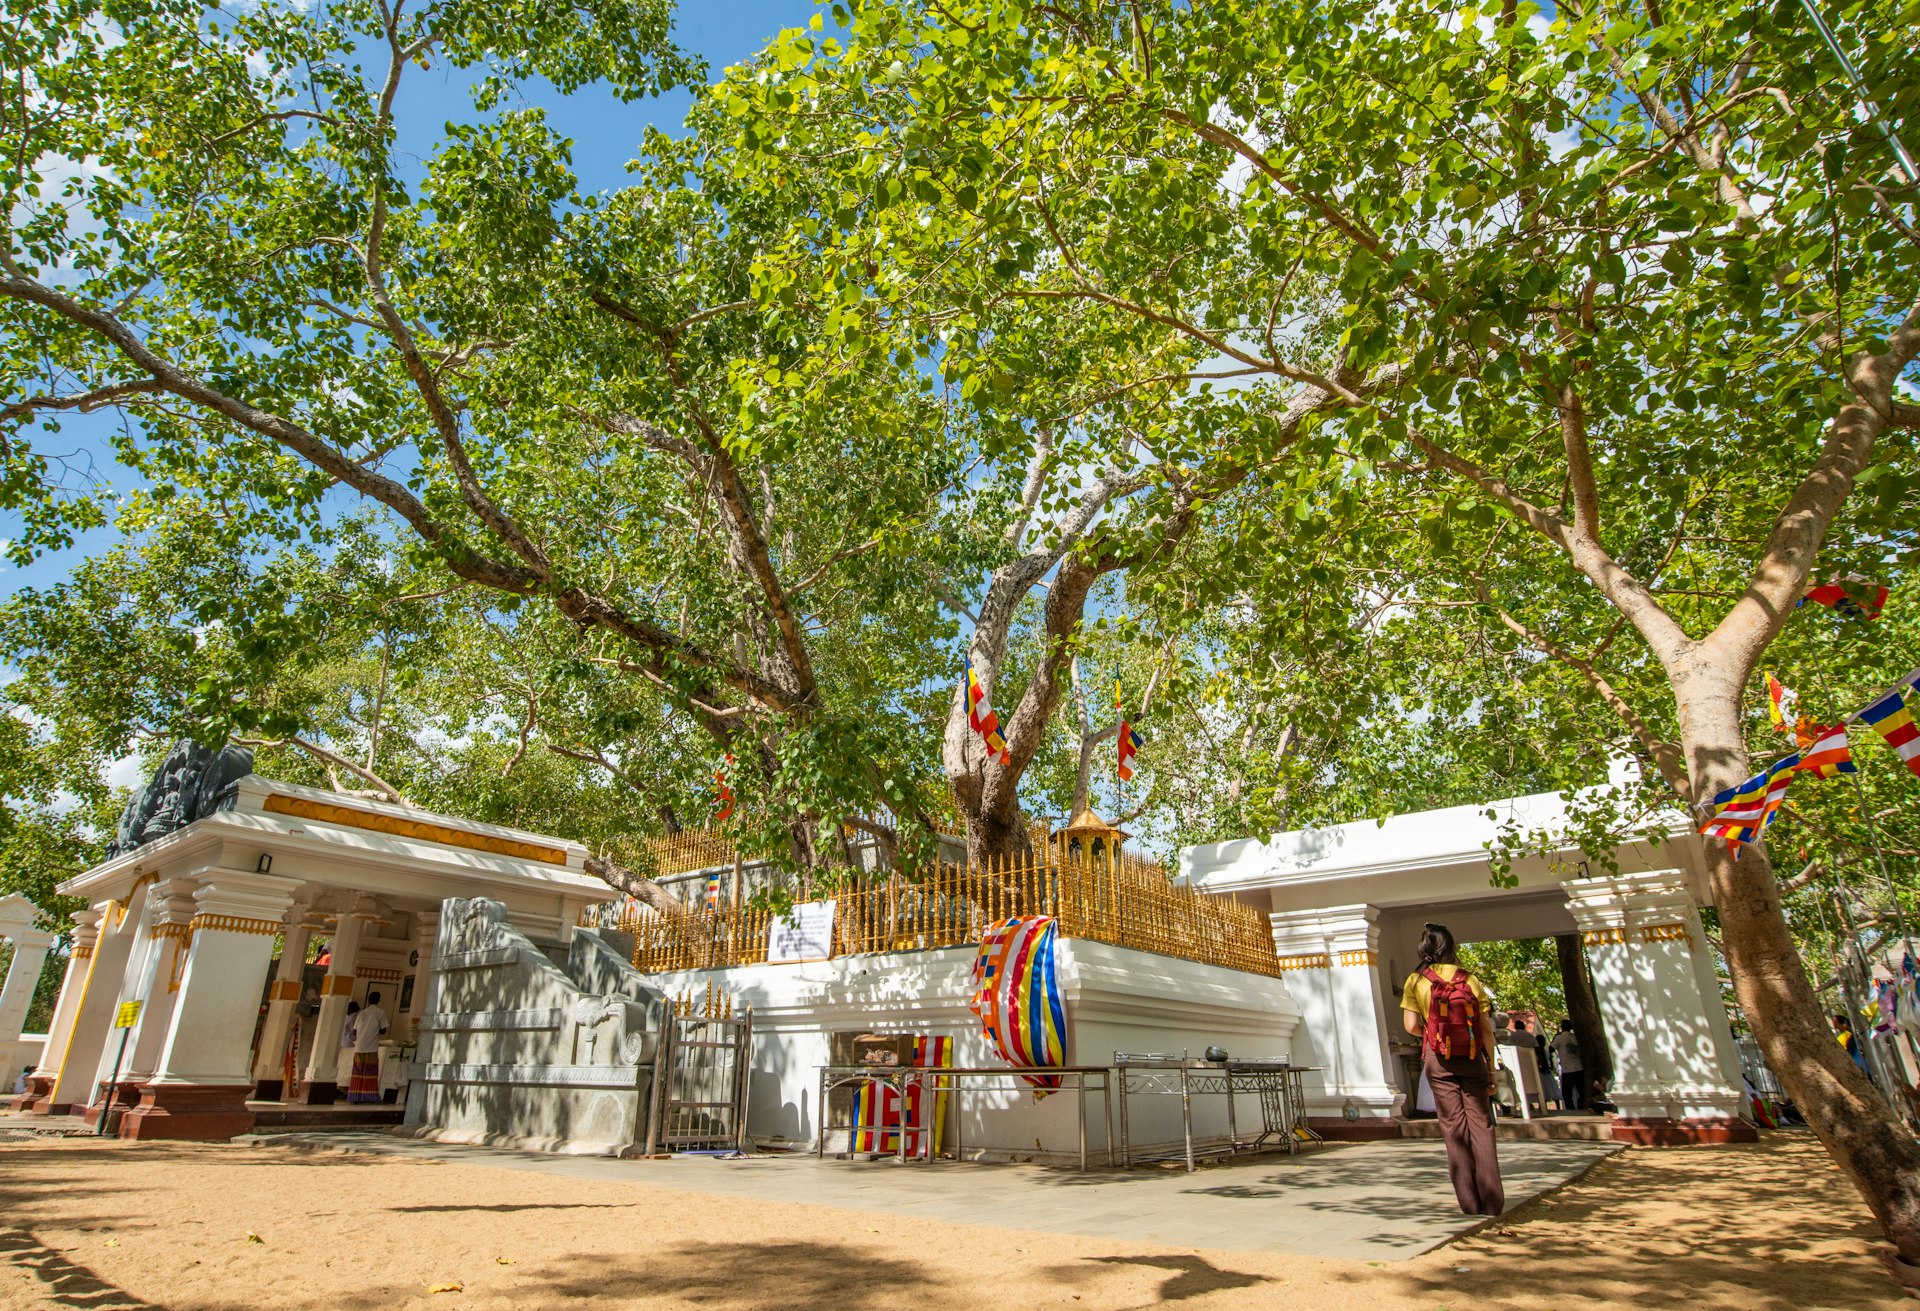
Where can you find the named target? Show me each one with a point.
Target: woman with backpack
(1447, 1009)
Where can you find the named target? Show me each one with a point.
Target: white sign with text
(806, 933)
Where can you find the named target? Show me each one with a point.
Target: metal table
(1075, 1080)
(1280, 1086)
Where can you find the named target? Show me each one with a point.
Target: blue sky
(604, 132)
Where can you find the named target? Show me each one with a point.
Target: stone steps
(1552, 1128)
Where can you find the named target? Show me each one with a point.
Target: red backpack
(1453, 1016)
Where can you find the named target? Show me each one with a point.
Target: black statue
(191, 783)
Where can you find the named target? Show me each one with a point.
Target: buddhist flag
(1783, 704)
(1742, 812)
(723, 805)
(1827, 753)
(1851, 597)
(980, 715)
(1889, 718)
(1130, 741)
(1129, 747)
(713, 892)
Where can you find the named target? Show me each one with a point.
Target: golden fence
(1122, 900)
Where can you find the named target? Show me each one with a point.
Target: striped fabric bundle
(1742, 812)
(1017, 995)
(877, 1119)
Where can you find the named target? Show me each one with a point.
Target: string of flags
(1741, 813)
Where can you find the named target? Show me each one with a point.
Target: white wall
(1116, 999)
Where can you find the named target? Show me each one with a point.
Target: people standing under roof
(364, 1084)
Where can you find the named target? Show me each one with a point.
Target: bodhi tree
(1610, 305)
(223, 227)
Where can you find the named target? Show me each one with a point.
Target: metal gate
(700, 1084)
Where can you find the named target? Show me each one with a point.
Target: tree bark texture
(1840, 1104)
(1583, 1009)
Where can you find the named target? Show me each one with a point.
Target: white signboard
(805, 934)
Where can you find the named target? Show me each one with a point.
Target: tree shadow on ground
(60, 1280)
(1192, 1276)
(1619, 1240)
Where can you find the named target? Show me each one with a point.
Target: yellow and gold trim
(1359, 958)
(284, 990)
(1600, 937)
(1666, 933)
(380, 976)
(424, 830)
(337, 985)
(1312, 961)
(206, 923)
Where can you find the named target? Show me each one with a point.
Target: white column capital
(1334, 932)
(225, 897)
(1620, 907)
(173, 901)
(25, 940)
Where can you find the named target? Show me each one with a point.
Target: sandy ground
(219, 1228)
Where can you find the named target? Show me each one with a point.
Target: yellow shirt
(1417, 996)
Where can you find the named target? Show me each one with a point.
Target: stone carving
(191, 783)
(631, 1038)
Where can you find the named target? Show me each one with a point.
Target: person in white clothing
(1566, 1050)
(368, 1025)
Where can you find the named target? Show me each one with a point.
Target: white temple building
(1348, 904)
(188, 926)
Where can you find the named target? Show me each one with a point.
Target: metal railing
(1118, 899)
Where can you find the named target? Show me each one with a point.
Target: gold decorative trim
(83, 951)
(205, 923)
(337, 985)
(380, 976)
(1599, 937)
(120, 908)
(284, 990)
(1666, 933)
(1315, 961)
(348, 817)
(1359, 958)
(172, 929)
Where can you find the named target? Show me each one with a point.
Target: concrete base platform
(339, 1115)
(1545, 1129)
(1383, 1201)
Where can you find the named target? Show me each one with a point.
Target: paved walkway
(1386, 1201)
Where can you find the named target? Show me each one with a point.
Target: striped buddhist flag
(980, 715)
(1130, 745)
(1829, 754)
(713, 892)
(1890, 718)
(1742, 812)
(1782, 704)
(1853, 598)
(1017, 995)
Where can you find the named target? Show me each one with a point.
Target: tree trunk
(1842, 1107)
(1583, 1009)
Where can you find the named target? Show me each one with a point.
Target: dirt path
(214, 1228)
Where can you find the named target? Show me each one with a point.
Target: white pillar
(86, 929)
(283, 1008)
(344, 946)
(118, 1042)
(30, 944)
(99, 998)
(169, 937)
(201, 1086)
(1331, 957)
(1676, 1068)
(426, 931)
